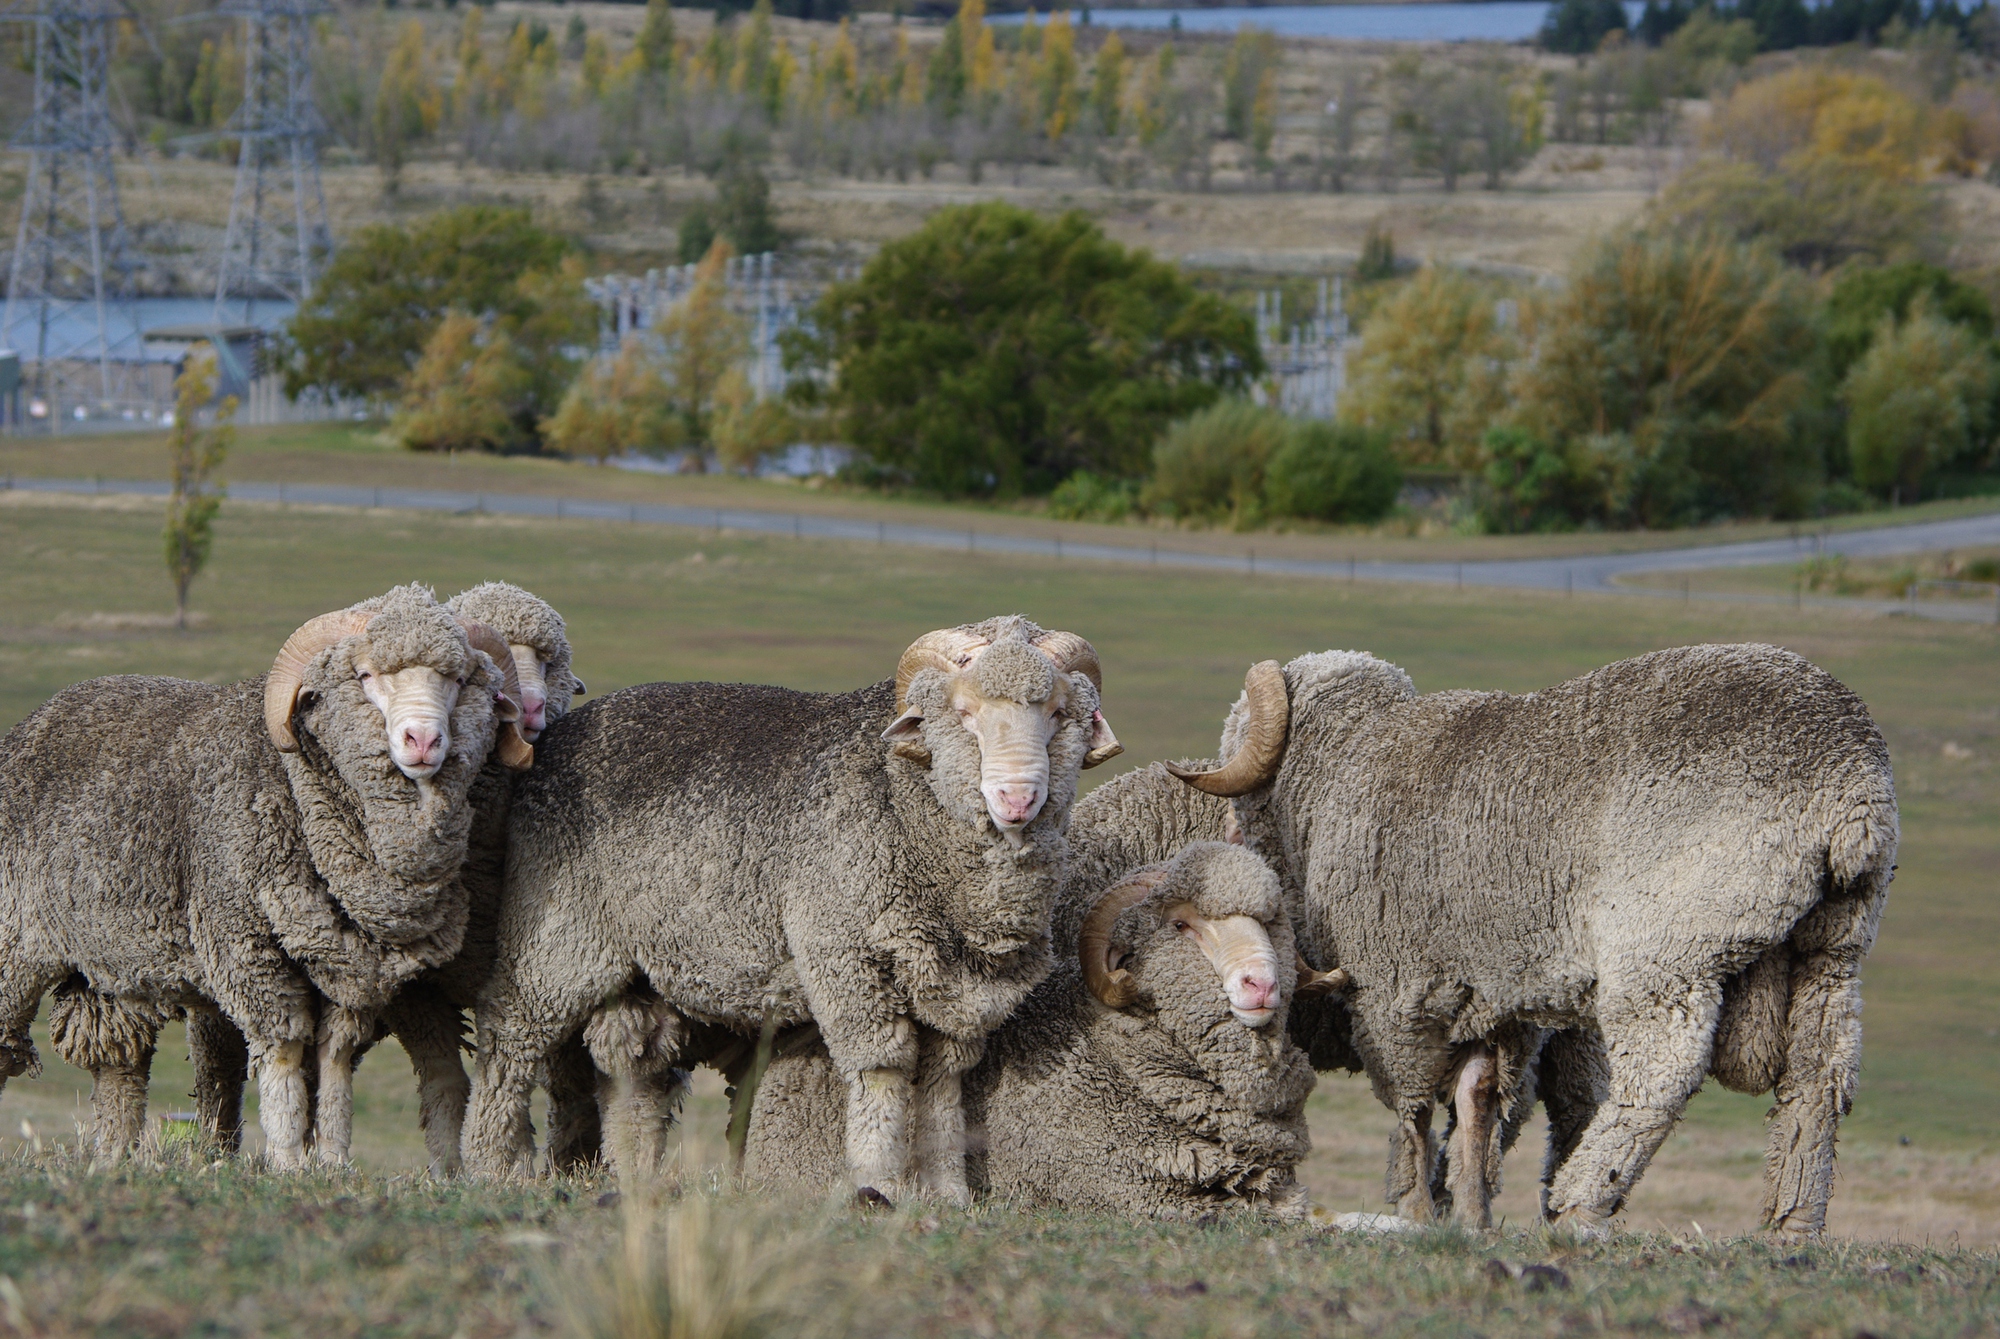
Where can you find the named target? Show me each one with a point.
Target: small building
(239, 351)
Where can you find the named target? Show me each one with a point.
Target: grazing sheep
(1684, 855)
(283, 852)
(883, 862)
(1150, 1075)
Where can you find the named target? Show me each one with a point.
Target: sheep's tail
(1855, 824)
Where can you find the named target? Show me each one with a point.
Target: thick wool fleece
(694, 839)
(1167, 1108)
(168, 856)
(1615, 855)
(427, 1017)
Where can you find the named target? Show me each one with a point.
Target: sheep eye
(461, 681)
(364, 675)
(1182, 926)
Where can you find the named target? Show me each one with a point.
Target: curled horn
(1256, 761)
(947, 649)
(1072, 655)
(1322, 983)
(281, 686)
(1113, 985)
(515, 753)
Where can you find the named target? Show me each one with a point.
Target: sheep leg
(21, 989)
(341, 1032)
(427, 1026)
(1822, 1061)
(221, 1067)
(938, 1141)
(576, 1132)
(635, 1044)
(281, 1101)
(1412, 1158)
(114, 1040)
(1659, 1049)
(1572, 1080)
(1475, 1102)
(879, 1103)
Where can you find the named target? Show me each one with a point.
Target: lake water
(75, 329)
(1500, 21)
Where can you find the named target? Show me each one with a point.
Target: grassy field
(348, 454)
(175, 1248)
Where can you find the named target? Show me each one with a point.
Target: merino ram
(275, 856)
(427, 1015)
(884, 862)
(1150, 1075)
(1682, 856)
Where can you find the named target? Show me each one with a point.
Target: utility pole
(71, 269)
(277, 239)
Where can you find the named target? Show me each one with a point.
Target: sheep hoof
(873, 1200)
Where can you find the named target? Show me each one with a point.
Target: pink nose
(1014, 803)
(1254, 992)
(534, 710)
(421, 741)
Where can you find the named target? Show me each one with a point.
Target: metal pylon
(277, 238)
(70, 269)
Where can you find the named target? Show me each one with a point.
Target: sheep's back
(123, 797)
(1499, 841)
(681, 819)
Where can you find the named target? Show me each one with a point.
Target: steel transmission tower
(277, 237)
(70, 270)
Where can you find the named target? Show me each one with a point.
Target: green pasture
(87, 595)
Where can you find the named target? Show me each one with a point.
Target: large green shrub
(1211, 465)
(1088, 497)
(1325, 472)
(995, 351)
(1525, 486)
(1918, 401)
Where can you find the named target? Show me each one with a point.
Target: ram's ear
(906, 736)
(1104, 745)
(506, 708)
(579, 690)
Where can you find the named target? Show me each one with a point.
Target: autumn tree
(618, 406)
(408, 105)
(1430, 372)
(1670, 371)
(194, 453)
(704, 341)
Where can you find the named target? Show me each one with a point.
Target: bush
(1671, 374)
(1086, 497)
(1329, 473)
(387, 289)
(997, 351)
(1525, 486)
(1918, 402)
(1212, 465)
(1863, 295)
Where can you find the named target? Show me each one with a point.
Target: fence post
(1058, 548)
(881, 532)
(1253, 562)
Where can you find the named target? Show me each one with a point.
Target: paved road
(1587, 573)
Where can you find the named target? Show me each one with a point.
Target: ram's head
(538, 643)
(1202, 937)
(1007, 703)
(411, 663)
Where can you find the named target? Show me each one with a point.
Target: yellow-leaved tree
(704, 342)
(194, 453)
(618, 406)
(462, 392)
(1431, 371)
